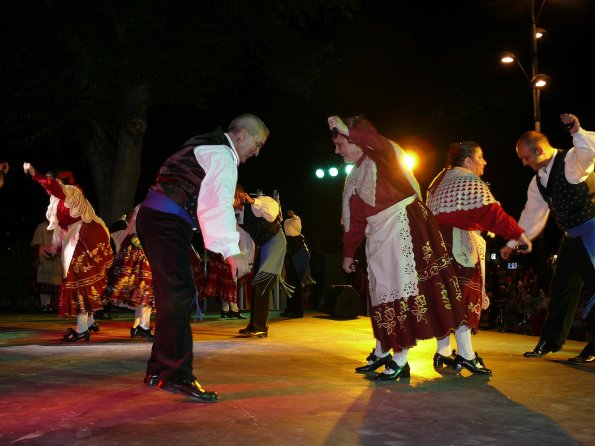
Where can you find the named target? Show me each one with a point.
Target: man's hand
(506, 252)
(239, 265)
(571, 121)
(334, 122)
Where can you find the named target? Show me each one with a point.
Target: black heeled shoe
(224, 314)
(374, 363)
(94, 327)
(474, 365)
(74, 336)
(396, 372)
(441, 360)
(231, 314)
(191, 389)
(140, 332)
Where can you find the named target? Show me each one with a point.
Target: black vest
(571, 204)
(259, 228)
(180, 176)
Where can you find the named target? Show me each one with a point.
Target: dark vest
(571, 204)
(259, 228)
(180, 176)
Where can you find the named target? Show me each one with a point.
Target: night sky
(425, 73)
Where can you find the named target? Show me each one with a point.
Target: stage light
(333, 171)
(348, 168)
(320, 173)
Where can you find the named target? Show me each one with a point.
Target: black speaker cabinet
(342, 301)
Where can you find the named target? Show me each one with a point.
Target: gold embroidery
(420, 307)
(427, 251)
(444, 296)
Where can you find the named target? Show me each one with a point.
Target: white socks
(44, 299)
(234, 307)
(378, 350)
(82, 322)
(464, 345)
(443, 346)
(224, 306)
(401, 357)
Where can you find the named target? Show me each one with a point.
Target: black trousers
(573, 271)
(261, 303)
(295, 303)
(166, 239)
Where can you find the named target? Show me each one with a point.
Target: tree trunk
(115, 161)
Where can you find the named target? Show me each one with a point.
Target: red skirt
(220, 282)
(131, 279)
(86, 280)
(470, 282)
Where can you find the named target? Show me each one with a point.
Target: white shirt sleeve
(293, 226)
(579, 160)
(535, 214)
(215, 199)
(266, 207)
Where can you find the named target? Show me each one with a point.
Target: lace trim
(77, 204)
(361, 179)
(459, 190)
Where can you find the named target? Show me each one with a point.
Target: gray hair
(250, 122)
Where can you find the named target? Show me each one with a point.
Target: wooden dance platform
(296, 387)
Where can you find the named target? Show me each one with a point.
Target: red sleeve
(357, 227)
(370, 141)
(51, 186)
(486, 218)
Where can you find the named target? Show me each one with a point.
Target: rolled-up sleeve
(215, 200)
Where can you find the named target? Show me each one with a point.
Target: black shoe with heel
(443, 361)
(374, 363)
(235, 314)
(140, 332)
(474, 365)
(396, 372)
(94, 327)
(74, 336)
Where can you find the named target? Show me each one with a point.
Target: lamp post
(536, 81)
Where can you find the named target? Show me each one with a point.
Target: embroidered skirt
(470, 281)
(220, 282)
(85, 280)
(131, 279)
(413, 287)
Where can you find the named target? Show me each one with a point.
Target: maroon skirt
(436, 309)
(86, 280)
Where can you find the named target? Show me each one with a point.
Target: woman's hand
(348, 265)
(29, 169)
(334, 122)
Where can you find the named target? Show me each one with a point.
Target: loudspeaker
(341, 300)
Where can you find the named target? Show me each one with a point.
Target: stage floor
(296, 387)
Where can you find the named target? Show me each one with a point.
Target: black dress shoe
(543, 348)
(441, 360)
(94, 327)
(74, 336)
(245, 330)
(374, 363)
(474, 365)
(191, 389)
(396, 372)
(255, 333)
(151, 380)
(223, 314)
(586, 356)
(236, 314)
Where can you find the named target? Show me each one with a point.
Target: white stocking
(378, 350)
(81, 322)
(145, 317)
(464, 344)
(137, 315)
(443, 346)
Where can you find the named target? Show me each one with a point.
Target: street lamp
(536, 81)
